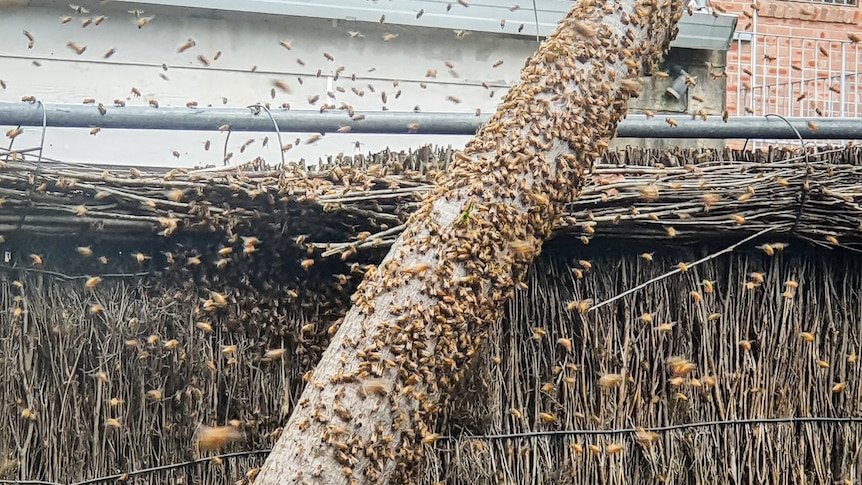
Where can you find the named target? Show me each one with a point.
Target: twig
(691, 265)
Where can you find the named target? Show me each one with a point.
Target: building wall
(406, 65)
(794, 58)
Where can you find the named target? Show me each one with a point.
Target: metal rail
(244, 119)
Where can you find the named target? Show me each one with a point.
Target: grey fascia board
(701, 30)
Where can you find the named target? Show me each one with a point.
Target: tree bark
(371, 404)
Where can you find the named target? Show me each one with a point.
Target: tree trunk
(371, 404)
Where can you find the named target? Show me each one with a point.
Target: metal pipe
(388, 122)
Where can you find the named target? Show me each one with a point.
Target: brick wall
(800, 50)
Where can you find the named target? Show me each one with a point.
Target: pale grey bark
(369, 410)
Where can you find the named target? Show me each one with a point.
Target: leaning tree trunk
(370, 407)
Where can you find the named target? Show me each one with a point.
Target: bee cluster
(422, 315)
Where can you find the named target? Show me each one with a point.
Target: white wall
(245, 41)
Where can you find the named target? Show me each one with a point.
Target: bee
(77, 48)
(186, 45)
(565, 343)
(27, 99)
(287, 45)
(328, 56)
(649, 192)
(176, 195)
(203, 60)
(671, 232)
(154, 394)
(142, 21)
(14, 132)
(91, 283)
(103, 259)
(609, 381)
(154, 103)
(631, 86)
(281, 85)
(738, 219)
(65, 20)
(84, 251)
(98, 20)
(614, 448)
(854, 37)
(832, 240)
(96, 309)
(140, 257)
(671, 122)
(102, 109)
(37, 260)
(273, 354)
(647, 256)
(547, 417)
(216, 438)
(389, 37)
(306, 264)
(841, 385)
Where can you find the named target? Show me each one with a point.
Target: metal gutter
(702, 30)
(244, 119)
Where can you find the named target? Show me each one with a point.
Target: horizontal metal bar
(388, 122)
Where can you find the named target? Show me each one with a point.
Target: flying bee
(216, 438)
(142, 21)
(186, 45)
(77, 48)
(273, 354)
